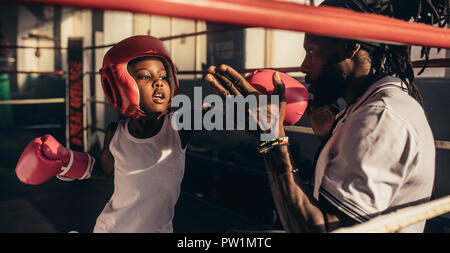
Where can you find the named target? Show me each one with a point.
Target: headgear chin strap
(119, 86)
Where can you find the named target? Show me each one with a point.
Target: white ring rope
(33, 101)
(401, 218)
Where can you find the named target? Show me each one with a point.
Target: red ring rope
(327, 21)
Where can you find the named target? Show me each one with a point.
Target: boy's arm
(105, 168)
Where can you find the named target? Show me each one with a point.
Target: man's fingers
(237, 79)
(223, 80)
(212, 69)
(209, 78)
(227, 84)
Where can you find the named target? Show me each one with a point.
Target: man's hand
(227, 81)
(321, 119)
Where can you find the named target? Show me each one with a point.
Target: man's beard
(329, 86)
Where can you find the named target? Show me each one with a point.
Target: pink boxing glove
(296, 93)
(44, 158)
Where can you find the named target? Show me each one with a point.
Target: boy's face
(153, 83)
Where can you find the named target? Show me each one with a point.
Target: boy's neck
(145, 128)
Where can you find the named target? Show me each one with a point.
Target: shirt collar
(391, 80)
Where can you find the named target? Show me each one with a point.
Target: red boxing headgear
(296, 93)
(120, 88)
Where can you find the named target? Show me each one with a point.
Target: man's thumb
(276, 78)
(278, 85)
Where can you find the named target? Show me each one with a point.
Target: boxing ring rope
(402, 218)
(95, 100)
(324, 20)
(33, 47)
(33, 101)
(179, 36)
(299, 129)
(56, 72)
(432, 63)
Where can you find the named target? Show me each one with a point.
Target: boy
(145, 154)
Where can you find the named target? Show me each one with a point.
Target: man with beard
(378, 153)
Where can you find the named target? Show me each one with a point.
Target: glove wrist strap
(69, 165)
(90, 161)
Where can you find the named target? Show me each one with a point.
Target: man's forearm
(298, 210)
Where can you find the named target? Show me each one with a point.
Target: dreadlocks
(393, 59)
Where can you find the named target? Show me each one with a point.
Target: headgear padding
(119, 86)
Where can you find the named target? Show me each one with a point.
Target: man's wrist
(266, 146)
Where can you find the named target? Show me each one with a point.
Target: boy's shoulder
(111, 128)
(113, 125)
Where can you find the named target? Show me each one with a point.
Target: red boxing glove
(296, 93)
(44, 158)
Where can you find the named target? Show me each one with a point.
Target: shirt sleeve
(370, 162)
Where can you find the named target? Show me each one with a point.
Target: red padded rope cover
(324, 20)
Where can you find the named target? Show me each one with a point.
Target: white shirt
(380, 157)
(147, 178)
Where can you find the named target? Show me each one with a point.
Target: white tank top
(147, 178)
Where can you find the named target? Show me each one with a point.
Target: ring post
(75, 105)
